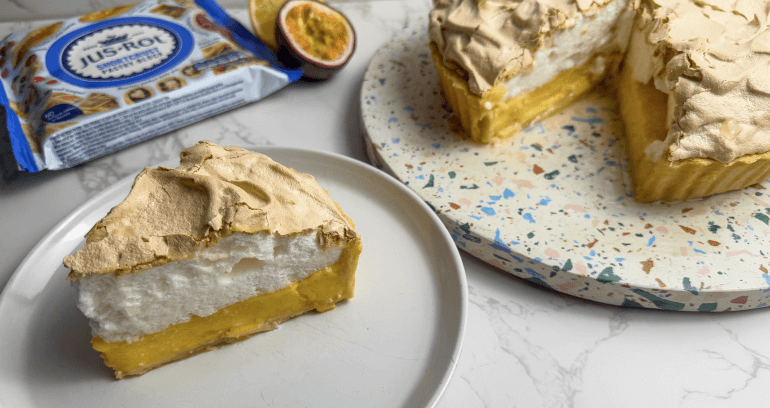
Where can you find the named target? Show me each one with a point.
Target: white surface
(524, 346)
(394, 345)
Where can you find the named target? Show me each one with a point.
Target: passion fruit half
(315, 37)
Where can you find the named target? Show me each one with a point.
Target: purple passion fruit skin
(323, 38)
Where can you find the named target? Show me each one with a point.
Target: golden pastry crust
(643, 110)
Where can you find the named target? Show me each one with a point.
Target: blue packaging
(84, 87)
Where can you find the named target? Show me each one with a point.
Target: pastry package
(81, 88)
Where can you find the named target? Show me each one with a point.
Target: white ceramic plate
(394, 345)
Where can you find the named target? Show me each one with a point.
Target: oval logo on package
(118, 52)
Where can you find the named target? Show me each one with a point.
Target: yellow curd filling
(491, 116)
(322, 35)
(643, 109)
(320, 291)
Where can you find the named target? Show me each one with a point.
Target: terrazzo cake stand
(552, 205)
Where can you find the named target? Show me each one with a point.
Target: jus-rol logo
(119, 52)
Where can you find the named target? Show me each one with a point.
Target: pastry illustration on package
(191, 72)
(138, 94)
(171, 11)
(104, 14)
(170, 84)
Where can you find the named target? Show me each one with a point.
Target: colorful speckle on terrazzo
(551, 205)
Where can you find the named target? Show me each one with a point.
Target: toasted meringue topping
(492, 41)
(711, 56)
(216, 191)
(713, 59)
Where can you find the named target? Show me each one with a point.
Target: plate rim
(69, 221)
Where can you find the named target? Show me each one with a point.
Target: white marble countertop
(525, 346)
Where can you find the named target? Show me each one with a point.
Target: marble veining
(608, 357)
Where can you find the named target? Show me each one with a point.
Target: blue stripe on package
(85, 87)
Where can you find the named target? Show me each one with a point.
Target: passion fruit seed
(322, 35)
(263, 15)
(315, 37)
